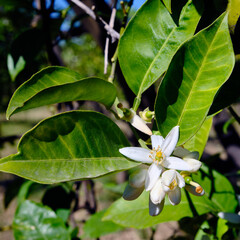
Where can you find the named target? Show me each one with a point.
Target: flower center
(173, 184)
(157, 155)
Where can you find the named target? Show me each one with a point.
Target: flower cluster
(162, 177)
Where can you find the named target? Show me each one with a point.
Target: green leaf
(167, 4)
(63, 213)
(57, 84)
(222, 228)
(14, 71)
(195, 74)
(217, 188)
(150, 41)
(23, 192)
(202, 232)
(69, 146)
(115, 187)
(37, 222)
(219, 196)
(199, 140)
(136, 214)
(100, 228)
(234, 13)
(229, 92)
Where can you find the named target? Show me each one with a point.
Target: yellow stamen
(173, 184)
(159, 154)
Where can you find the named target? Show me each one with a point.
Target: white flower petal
(139, 124)
(192, 190)
(194, 155)
(231, 217)
(136, 153)
(157, 141)
(175, 196)
(180, 180)
(155, 209)
(166, 188)
(153, 174)
(194, 164)
(157, 193)
(137, 178)
(177, 163)
(131, 193)
(170, 141)
(168, 176)
(180, 152)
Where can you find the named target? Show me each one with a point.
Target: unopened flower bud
(187, 179)
(146, 115)
(136, 121)
(194, 188)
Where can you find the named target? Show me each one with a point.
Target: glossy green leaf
(234, 13)
(222, 228)
(150, 41)
(229, 92)
(57, 84)
(199, 140)
(219, 196)
(217, 188)
(69, 146)
(167, 4)
(95, 227)
(136, 214)
(195, 74)
(37, 222)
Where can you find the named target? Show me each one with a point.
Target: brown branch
(114, 34)
(111, 24)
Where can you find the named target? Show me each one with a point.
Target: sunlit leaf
(58, 84)
(136, 214)
(222, 228)
(167, 4)
(217, 188)
(219, 196)
(69, 146)
(37, 222)
(199, 140)
(195, 74)
(151, 40)
(233, 13)
(229, 92)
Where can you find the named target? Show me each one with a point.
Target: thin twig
(111, 24)
(114, 34)
(85, 8)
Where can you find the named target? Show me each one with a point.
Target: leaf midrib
(198, 74)
(64, 159)
(164, 44)
(154, 60)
